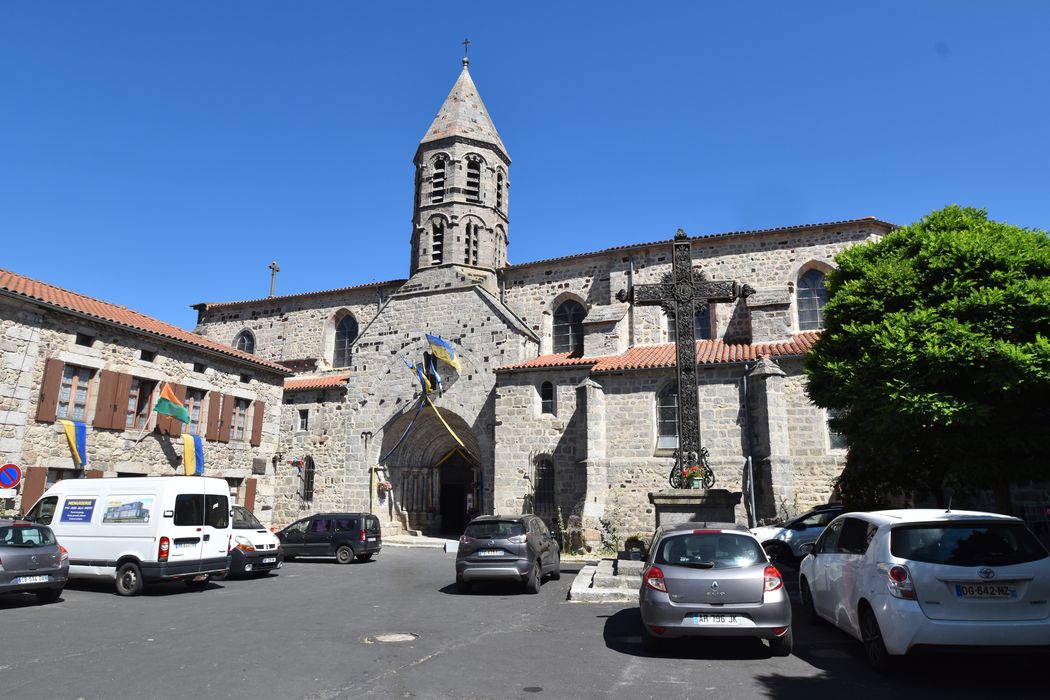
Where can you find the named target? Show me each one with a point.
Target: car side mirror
(809, 548)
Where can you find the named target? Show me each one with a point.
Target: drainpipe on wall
(751, 519)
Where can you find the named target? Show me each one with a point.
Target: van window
(321, 525)
(189, 509)
(372, 524)
(346, 524)
(217, 511)
(43, 511)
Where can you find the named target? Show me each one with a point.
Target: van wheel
(344, 555)
(129, 579)
(49, 595)
(364, 557)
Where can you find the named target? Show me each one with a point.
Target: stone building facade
(69, 356)
(561, 403)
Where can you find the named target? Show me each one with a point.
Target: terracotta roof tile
(327, 381)
(49, 295)
(708, 352)
(703, 237)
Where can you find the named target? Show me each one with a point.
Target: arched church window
(667, 418)
(703, 324)
(499, 191)
(544, 485)
(245, 341)
(547, 398)
(568, 327)
(437, 242)
(437, 182)
(811, 297)
(345, 335)
(473, 188)
(470, 251)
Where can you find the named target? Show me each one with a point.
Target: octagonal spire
(463, 114)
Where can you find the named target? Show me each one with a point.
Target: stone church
(565, 402)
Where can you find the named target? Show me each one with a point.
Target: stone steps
(608, 581)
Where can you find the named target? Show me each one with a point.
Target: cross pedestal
(677, 506)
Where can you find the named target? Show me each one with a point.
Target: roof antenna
(951, 492)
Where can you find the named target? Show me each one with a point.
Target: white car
(783, 543)
(906, 580)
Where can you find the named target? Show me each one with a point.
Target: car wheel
(875, 649)
(344, 555)
(364, 557)
(781, 646)
(532, 583)
(462, 586)
(650, 642)
(48, 595)
(195, 585)
(129, 579)
(807, 603)
(556, 574)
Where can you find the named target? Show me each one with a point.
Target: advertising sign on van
(78, 510)
(128, 509)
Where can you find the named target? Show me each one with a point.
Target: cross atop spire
(466, 49)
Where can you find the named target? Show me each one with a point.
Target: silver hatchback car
(712, 580)
(31, 560)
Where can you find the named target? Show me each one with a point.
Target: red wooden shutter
(93, 473)
(166, 424)
(227, 416)
(257, 421)
(249, 494)
(47, 409)
(33, 487)
(119, 419)
(214, 408)
(107, 385)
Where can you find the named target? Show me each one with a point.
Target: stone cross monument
(681, 293)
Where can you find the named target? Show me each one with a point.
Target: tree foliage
(935, 357)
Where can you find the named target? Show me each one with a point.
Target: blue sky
(160, 154)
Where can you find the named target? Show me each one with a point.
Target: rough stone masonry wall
(53, 335)
(815, 464)
(20, 348)
(294, 328)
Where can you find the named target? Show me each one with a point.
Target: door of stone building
(458, 492)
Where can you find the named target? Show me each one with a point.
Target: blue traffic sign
(10, 475)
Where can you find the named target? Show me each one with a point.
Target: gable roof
(209, 305)
(20, 286)
(640, 357)
(328, 381)
(464, 114)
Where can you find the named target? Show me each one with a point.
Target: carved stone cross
(681, 292)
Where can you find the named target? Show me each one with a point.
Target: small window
(245, 342)
(246, 379)
(345, 335)
(667, 418)
(437, 242)
(568, 327)
(544, 485)
(74, 393)
(703, 325)
(239, 418)
(304, 419)
(836, 440)
(499, 191)
(199, 367)
(470, 251)
(473, 188)
(195, 406)
(189, 509)
(85, 339)
(811, 297)
(437, 182)
(547, 398)
(139, 403)
(235, 489)
(148, 355)
(307, 487)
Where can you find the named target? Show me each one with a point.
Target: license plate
(32, 579)
(706, 619)
(185, 545)
(985, 590)
(270, 560)
(490, 552)
(371, 539)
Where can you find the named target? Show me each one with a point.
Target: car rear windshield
(26, 536)
(709, 550)
(967, 544)
(494, 530)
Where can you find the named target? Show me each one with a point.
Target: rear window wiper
(695, 564)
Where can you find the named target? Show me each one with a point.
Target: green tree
(935, 358)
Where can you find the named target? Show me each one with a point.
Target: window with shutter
(258, 413)
(49, 388)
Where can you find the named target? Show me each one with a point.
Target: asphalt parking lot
(319, 630)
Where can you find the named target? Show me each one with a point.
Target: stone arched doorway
(436, 481)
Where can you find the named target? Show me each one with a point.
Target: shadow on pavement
(12, 601)
(623, 630)
(150, 590)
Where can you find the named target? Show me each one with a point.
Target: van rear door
(217, 529)
(187, 532)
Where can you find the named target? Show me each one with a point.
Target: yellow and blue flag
(443, 351)
(192, 455)
(76, 435)
(433, 374)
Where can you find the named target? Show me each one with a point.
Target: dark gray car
(507, 548)
(712, 579)
(32, 560)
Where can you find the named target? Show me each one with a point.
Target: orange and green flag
(169, 405)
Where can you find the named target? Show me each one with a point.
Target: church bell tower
(459, 216)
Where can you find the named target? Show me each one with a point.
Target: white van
(137, 530)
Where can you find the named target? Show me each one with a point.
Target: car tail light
(654, 579)
(162, 550)
(900, 582)
(362, 535)
(466, 539)
(63, 553)
(773, 579)
(657, 630)
(778, 631)
(517, 539)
